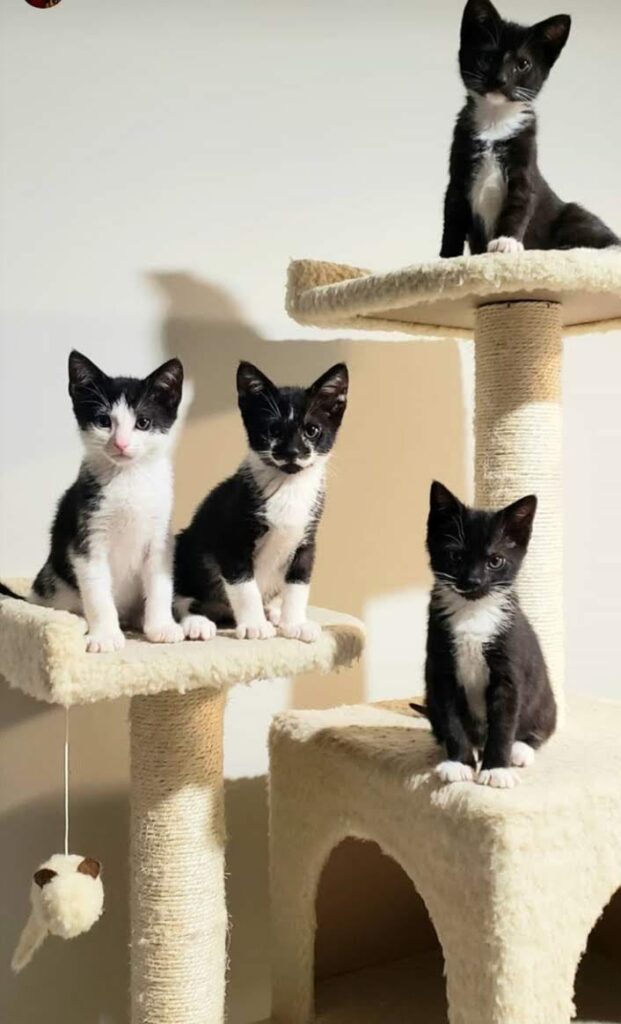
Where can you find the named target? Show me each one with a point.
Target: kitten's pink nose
(121, 445)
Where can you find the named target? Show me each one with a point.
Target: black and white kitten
(497, 199)
(487, 688)
(111, 549)
(247, 557)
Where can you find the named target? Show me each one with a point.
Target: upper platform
(439, 298)
(42, 653)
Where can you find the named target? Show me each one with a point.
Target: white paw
(255, 630)
(307, 631)
(522, 755)
(164, 633)
(499, 778)
(505, 244)
(454, 771)
(102, 641)
(274, 613)
(198, 627)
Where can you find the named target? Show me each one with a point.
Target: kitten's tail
(7, 592)
(422, 710)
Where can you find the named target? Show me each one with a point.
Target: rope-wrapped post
(178, 910)
(518, 448)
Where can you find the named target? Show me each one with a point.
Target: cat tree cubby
(513, 881)
(177, 697)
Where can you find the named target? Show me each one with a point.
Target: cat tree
(513, 880)
(178, 693)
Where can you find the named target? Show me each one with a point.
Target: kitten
(247, 557)
(487, 687)
(111, 550)
(497, 199)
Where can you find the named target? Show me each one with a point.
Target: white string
(66, 782)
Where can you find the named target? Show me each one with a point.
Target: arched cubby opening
(598, 979)
(377, 955)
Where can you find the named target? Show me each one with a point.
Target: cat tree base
(513, 881)
(178, 694)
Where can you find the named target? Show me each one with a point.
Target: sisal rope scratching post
(179, 922)
(518, 441)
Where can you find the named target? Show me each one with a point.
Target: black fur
(498, 56)
(474, 554)
(284, 425)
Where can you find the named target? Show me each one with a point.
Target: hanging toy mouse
(67, 899)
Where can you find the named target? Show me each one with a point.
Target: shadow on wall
(404, 425)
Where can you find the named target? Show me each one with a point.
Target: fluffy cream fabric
(42, 652)
(438, 298)
(514, 880)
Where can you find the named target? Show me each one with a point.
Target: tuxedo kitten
(246, 558)
(111, 550)
(487, 688)
(497, 199)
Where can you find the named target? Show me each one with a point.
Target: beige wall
(161, 163)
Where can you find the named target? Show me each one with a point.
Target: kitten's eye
(312, 431)
(275, 429)
(102, 421)
(143, 423)
(455, 557)
(523, 64)
(495, 562)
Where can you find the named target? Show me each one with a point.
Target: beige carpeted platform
(42, 653)
(439, 298)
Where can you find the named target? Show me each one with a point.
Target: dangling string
(66, 782)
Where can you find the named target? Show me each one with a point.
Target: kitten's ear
(166, 383)
(443, 501)
(250, 381)
(552, 34)
(82, 372)
(330, 390)
(479, 14)
(517, 520)
(43, 876)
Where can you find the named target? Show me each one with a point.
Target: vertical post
(518, 438)
(178, 909)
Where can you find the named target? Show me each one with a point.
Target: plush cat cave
(513, 882)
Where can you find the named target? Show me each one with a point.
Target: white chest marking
(288, 514)
(133, 513)
(473, 625)
(488, 190)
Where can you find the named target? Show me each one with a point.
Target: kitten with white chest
(111, 548)
(497, 199)
(247, 557)
(488, 695)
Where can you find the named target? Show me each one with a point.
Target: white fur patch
(454, 771)
(247, 604)
(473, 624)
(488, 190)
(505, 244)
(522, 755)
(293, 622)
(498, 778)
(498, 121)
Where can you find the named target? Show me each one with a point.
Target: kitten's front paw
(522, 755)
(198, 627)
(255, 630)
(274, 613)
(454, 771)
(505, 244)
(307, 631)
(499, 778)
(103, 641)
(164, 633)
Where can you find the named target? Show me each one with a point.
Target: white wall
(147, 141)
